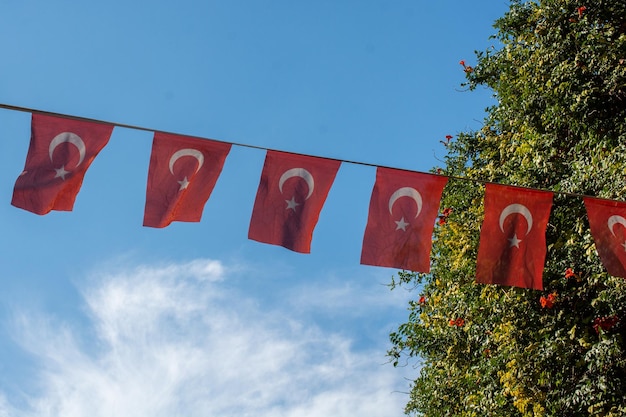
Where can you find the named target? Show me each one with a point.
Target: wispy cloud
(175, 341)
(4, 406)
(353, 297)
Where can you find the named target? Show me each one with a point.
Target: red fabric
(607, 221)
(182, 174)
(512, 247)
(402, 213)
(287, 208)
(59, 154)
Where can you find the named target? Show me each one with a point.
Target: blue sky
(100, 316)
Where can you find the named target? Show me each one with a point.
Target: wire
(245, 145)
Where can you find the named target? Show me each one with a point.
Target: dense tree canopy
(559, 124)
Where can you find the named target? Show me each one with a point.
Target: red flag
(59, 154)
(512, 248)
(607, 221)
(399, 230)
(291, 194)
(181, 177)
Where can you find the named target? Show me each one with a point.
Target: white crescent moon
(516, 208)
(297, 172)
(186, 152)
(406, 192)
(68, 137)
(613, 220)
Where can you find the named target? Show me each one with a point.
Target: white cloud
(174, 341)
(350, 297)
(4, 406)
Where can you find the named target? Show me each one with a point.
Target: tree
(559, 78)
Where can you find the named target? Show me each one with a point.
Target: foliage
(559, 78)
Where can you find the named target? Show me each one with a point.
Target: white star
(291, 204)
(514, 241)
(61, 172)
(183, 184)
(624, 245)
(401, 224)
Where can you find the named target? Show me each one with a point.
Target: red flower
(422, 300)
(547, 302)
(569, 273)
(466, 68)
(604, 323)
(459, 322)
(581, 10)
(447, 142)
(443, 217)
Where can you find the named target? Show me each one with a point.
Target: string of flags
(403, 210)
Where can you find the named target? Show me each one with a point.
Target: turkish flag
(292, 191)
(59, 154)
(512, 248)
(182, 174)
(402, 213)
(607, 221)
